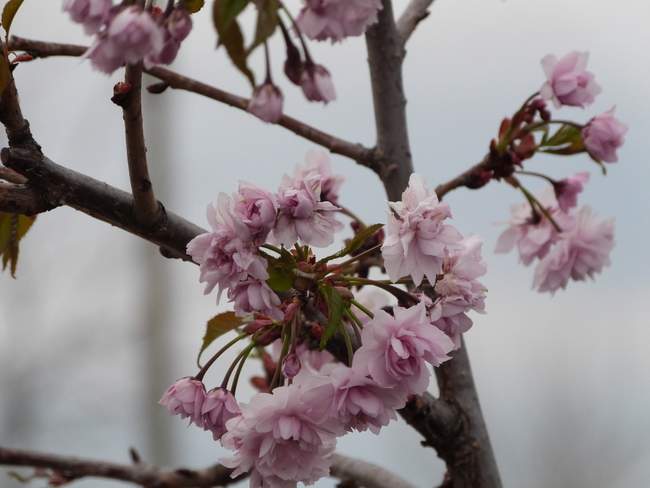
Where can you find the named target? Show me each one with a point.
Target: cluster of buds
(130, 34)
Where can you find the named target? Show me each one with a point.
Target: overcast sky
(564, 381)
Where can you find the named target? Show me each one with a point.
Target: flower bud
(291, 365)
(316, 83)
(266, 103)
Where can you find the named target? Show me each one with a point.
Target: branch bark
(147, 209)
(72, 468)
(357, 152)
(414, 13)
(56, 186)
(469, 458)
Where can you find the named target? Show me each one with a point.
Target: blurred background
(98, 324)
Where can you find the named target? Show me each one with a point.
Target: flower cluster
(337, 19)
(577, 250)
(377, 357)
(229, 254)
(129, 34)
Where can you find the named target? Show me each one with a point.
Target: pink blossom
(533, 234)
(131, 37)
(303, 215)
(316, 83)
(313, 359)
(395, 348)
(218, 407)
(361, 404)
(185, 398)
(603, 136)
(337, 19)
(266, 103)
(318, 162)
(179, 24)
(291, 365)
(459, 291)
(284, 437)
(580, 253)
(255, 296)
(92, 14)
(167, 54)
(568, 81)
(257, 209)
(417, 239)
(225, 255)
(567, 190)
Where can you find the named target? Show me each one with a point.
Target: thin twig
(363, 155)
(414, 13)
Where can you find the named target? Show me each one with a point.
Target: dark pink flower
(266, 103)
(603, 135)
(92, 14)
(316, 84)
(179, 24)
(219, 406)
(185, 398)
(568, 81)
(567, 190)
(337, 19)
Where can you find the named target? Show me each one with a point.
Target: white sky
(563, 381)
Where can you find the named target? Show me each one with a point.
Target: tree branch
(56, 186)
(467, 452)
(357, 152)
(385, 57)
(21, 199)
(474, 178)
(366, 474)
(72, 468)
(414, 13)
(147, 209)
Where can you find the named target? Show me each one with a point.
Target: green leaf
(566, 134)
(13, 228)
(356, 242)
(267, 22)
(280, 278)
(218, 326)
(335, 309)
(224, 15)
(193, 6)
(9, 12)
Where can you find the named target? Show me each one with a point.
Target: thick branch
(72, 468)
(58, 186)
(416, 11)
(147, 209)
(365, 474)
(363, 155)
(385, 57)
(21, 199)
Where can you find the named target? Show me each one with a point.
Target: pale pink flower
(167, 54)
(132, 36)
(568, 81)
(219, 406)
(185, 398)
(581, 253)
(316, 83)
(533, 235)
(395, 349)
(266, 103)
(318, 162)
(303, 215)
(603, 135)
(225, 255)
(337, 19)
(567, 190)
(255, 296)
(179, 24)
(257, 209)
(359, 402)
(313, 359)
(92, 14)
(284, 437)
(417, 239)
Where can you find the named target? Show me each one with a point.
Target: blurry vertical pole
(156, 292)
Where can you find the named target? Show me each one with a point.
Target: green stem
(244, 353)
(352, 215)
(204, 369)
(235, 380)
(538, 175)
(271, 248)
(362, 308)
(355, 258)
(348, 342)
(534, 202)
(285, 348)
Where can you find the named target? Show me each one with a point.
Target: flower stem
(207, 365)
(363, 309)
(235, 380)
(240, 356)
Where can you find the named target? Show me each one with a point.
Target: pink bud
(603, 136)
(291, 366)
(567, 190)
(179, 24)
(185, 398)
(317, 84)
(266, 103)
